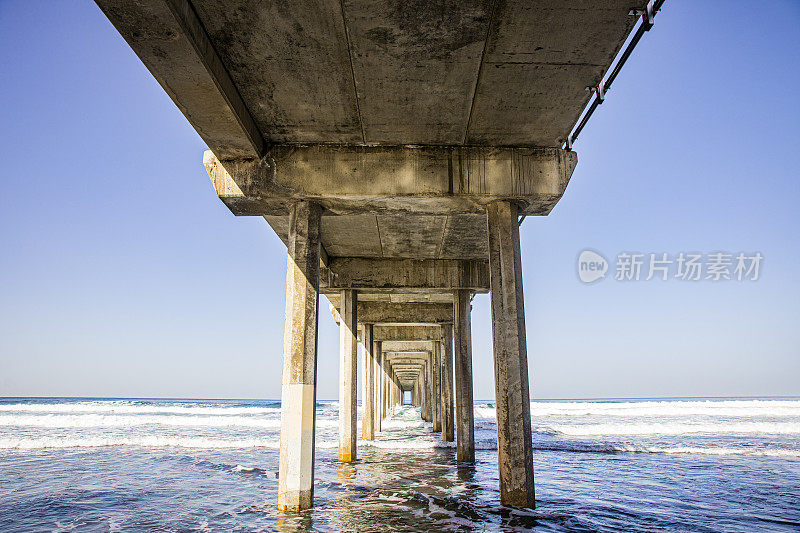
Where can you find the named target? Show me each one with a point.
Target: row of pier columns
(437, 372)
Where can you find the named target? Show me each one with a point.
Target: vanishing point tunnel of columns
(397, 173)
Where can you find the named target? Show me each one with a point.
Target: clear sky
(123, 274)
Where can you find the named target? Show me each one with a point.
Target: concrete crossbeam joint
(398, 274)
(392, 179)
(406, 333)
(299, 394)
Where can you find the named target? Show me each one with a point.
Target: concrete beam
(406, 333)
(398, 274)
(385, 313)
(435, 180)
(416, 365)
(407, 346)
(166, 34)
(394, 356)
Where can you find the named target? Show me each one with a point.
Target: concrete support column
(299, 390)
(429, 388)
(436, 389)
(378, 356)
(465, 417)
(422, 399)
(390, 388)
(348, 368)
(448, 431)
(368, 418)
(515, 449)
(385, 389)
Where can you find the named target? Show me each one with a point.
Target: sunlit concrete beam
(434, 180)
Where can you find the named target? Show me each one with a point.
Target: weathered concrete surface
(465, 416)
(299, 392)
(368, 418)
(539, 59)
(399, 274)
(392, 180)
(428, 391)
(472, 72)
(424, 393)
(408, 296)
(406, 333)
(378, 375)
(292, 64)
(171, 41)
(448, 430)
(348, 368)
(407, 346)
(436, 363)
(514, 445)
(380, 313)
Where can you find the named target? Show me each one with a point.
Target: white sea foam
(566, 446)
(738, 408)
(127, 408)
(144, 441)
(675, 428)
(411, 444)
(95, 420)
(487, 411)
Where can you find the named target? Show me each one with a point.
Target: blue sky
(123, 274)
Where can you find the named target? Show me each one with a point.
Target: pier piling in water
(465, 416)
(299, 393)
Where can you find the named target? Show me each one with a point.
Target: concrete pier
(396, 171)
(515, 448)
(465, 417)
(299, 393)
(348, 368)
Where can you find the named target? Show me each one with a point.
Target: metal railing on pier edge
(646, 20)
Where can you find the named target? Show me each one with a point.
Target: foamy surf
(701, 427)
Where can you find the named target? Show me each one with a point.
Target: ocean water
(211, 465)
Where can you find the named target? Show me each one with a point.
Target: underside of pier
(393, 147)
